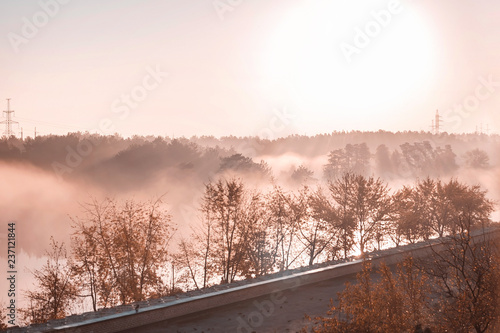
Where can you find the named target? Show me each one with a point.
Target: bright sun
(393, 56)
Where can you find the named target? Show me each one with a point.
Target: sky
(249, 67)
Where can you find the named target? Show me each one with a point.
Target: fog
(39, 204)
(42, 200)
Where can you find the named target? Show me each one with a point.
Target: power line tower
(437, 123)
(8, 123)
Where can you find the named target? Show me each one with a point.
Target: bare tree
(465, 275)
(340, 192)
(286, 212)
(224, 202)
(54, 291)
(234, 238)
(87, 269)
(319, 230)
(256, 242)
(187, 258)
(281, 226)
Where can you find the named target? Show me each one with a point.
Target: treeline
(115, 162)
(416, 160)
(322, 144)
(121, 252)
(245, 233)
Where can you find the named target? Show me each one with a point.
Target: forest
(238, 208)
(386, 154)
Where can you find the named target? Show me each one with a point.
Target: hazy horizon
(249, 68)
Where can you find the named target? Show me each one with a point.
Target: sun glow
(394, 57)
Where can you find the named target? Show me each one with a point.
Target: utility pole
(437, 123)
(8, 123)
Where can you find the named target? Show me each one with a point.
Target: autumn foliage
(121, 251)
(455, 289)
(392, 303)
